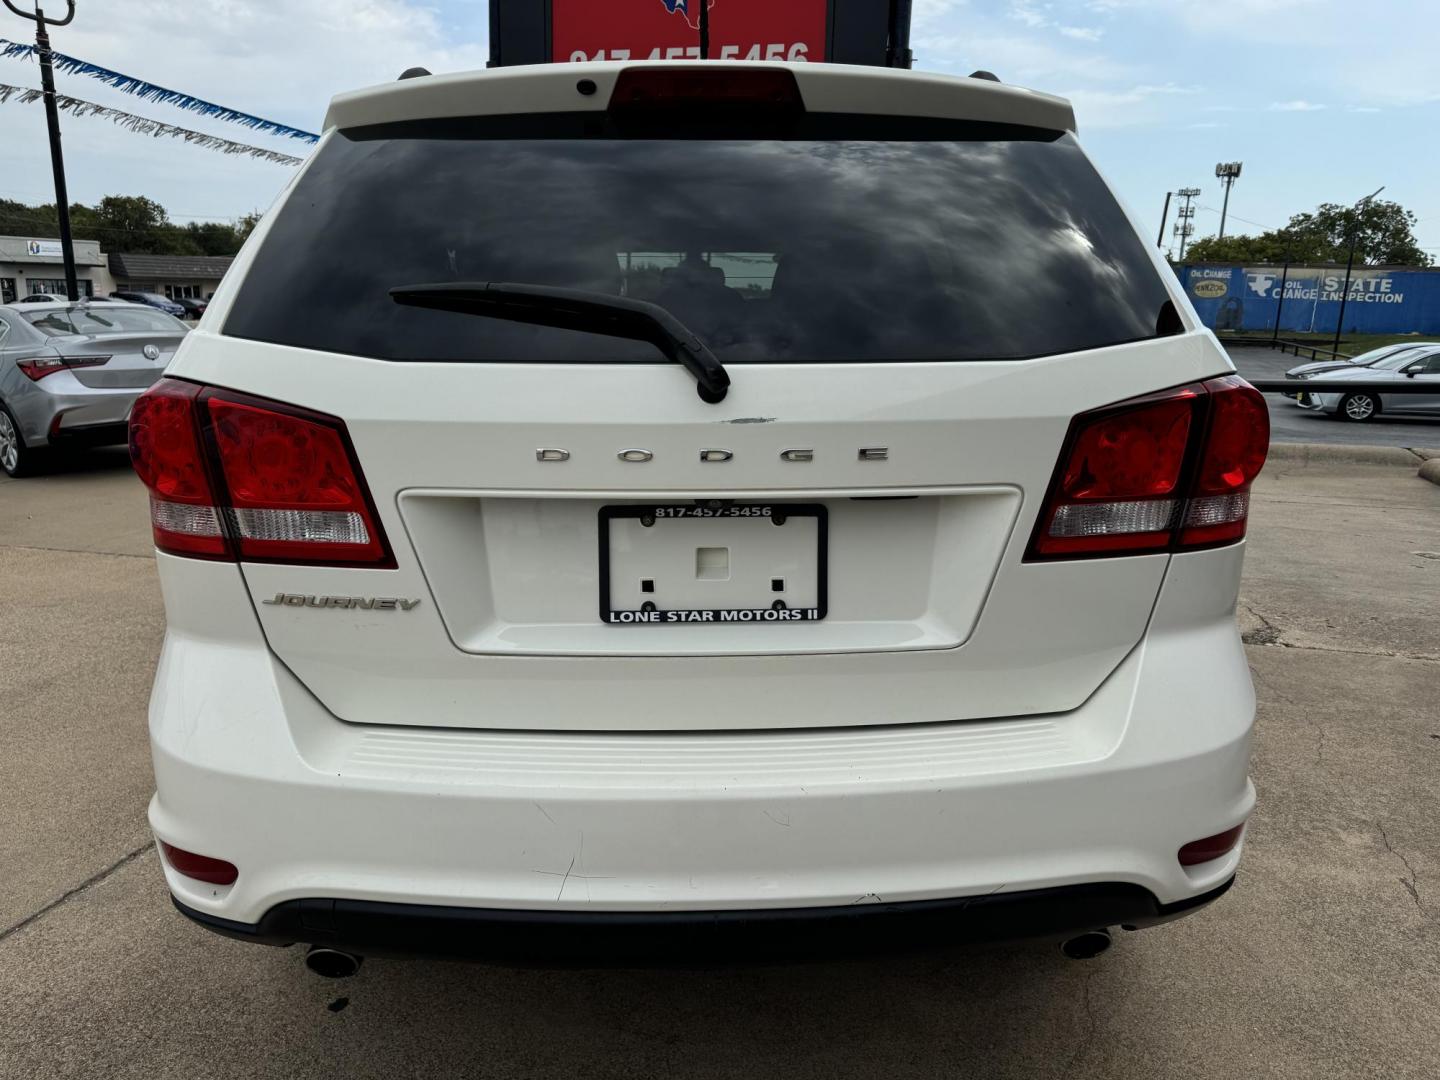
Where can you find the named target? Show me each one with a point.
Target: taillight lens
(232, 476)
(294, 490)
(36, 368)
(165, 449)
(1236, 442)
(1164, 472)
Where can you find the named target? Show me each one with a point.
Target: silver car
(1365, 359)
(70, 372)
(1414, 368)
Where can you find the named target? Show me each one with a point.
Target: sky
(1322, 100)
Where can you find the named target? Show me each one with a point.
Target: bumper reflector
(199, 867)
(1211, 847)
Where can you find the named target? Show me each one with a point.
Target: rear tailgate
(911, 307)
(932, 614)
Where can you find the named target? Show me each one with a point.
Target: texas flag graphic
(682, 7)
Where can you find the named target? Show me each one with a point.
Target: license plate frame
(730, 511)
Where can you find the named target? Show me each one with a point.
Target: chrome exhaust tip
(1086, 946)
(331, 963)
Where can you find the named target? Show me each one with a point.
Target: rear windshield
(116, 320)
(843, 239)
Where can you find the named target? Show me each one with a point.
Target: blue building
(1382, 299)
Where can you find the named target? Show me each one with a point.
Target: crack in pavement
(76, 551)
(1285, 699)
(90, 882)
(1412, 886)
(1091, 1024)
(1270, 634)
(1425, 658)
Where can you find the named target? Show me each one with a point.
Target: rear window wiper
(578, 309)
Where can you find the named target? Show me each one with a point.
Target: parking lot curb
(1424, 453)
(1339, 453)
(1430, 470)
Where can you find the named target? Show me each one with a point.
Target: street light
(52, 118)
(1349, 263)
(1227, 172)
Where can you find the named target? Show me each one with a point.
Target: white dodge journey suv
(658, 508)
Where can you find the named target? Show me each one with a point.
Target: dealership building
(31, 265)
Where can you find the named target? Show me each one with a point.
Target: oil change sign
(670, 29)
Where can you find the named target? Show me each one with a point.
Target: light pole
(1349, 264)
(1227, 172)
(52, 118)
(1185, 225)
(1284, 279)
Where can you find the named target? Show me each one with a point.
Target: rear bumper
(683, 937)
(251, 769)
(66, 410)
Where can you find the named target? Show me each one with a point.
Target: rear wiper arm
(578, 309)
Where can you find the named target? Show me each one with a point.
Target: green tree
(133, 223)
(1384, 235)
(213, 237)
(245, 226)
(127, 223)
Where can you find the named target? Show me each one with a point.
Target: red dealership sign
(670, 29)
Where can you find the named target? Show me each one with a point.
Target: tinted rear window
(76, 321)
(840, 240)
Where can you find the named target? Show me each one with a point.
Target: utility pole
(1349, 265)
(704, 29)
(1186, 215)
(1164, 214)
(1284, 280)
(1227, 172)
(52, 118)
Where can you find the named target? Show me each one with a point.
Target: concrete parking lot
(1324, 961)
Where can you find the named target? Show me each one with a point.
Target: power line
(1237, 217)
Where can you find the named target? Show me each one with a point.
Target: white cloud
(1082, 33)
(1297, 105)
(1107, 108)
(1021, 11)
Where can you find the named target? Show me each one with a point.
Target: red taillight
(1163, 472)
(165, 448)
(1236, 442)
(690, 87)
(234, 476)
(36, 368)
(199, 867)
(1212, 847)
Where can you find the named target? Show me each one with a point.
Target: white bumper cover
(251, 769)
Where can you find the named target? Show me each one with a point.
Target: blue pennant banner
(150, 92)
(145, 126)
